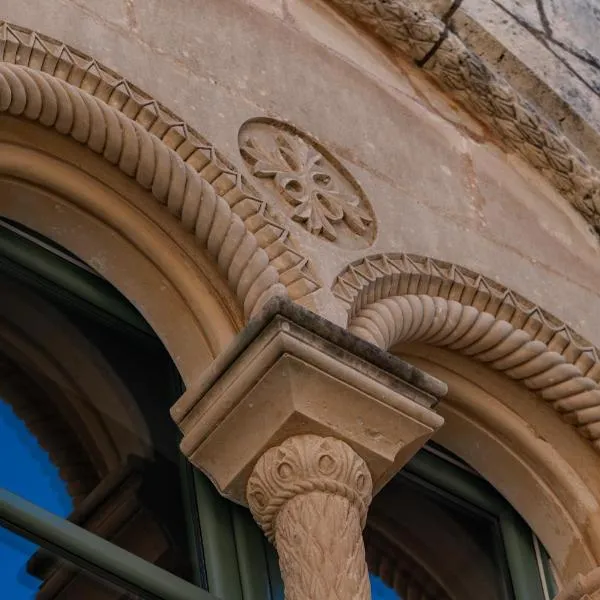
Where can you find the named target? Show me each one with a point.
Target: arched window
(437, 530)
(94, 498)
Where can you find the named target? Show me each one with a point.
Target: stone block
(291, 374)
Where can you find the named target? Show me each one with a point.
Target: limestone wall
(549, 50)
(437, 184)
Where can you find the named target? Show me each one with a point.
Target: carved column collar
(304, 464)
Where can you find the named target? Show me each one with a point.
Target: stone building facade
(358, 228)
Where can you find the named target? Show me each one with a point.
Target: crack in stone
(446, 20)
(544, 17)
(544, 38)
(580, 53)
(450, 12)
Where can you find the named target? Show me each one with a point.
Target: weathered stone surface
(234, 62)
(548, 51)
(440, 185)
(574, 24)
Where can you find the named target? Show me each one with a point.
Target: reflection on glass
(17, 583)
(426, 541)
(30, 474)
(380, 591)
(42, 575)
(106, 458)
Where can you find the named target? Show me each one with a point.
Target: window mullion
(252, 560)
(520, 557)
(218, 540)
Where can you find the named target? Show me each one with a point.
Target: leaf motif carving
(321, 198)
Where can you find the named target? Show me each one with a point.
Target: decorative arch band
(407, 298)
(49, 82)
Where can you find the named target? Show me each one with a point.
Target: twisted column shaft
(310, 495)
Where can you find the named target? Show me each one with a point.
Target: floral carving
(318, 193)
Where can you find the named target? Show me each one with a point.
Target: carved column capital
(310, 495)
(303, 464)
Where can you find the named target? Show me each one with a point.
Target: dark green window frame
(527, 561)
(232, 558)
(61, 277)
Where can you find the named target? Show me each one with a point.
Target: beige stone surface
(234, 62)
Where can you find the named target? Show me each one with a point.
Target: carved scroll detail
(39, 53)
(310, 495)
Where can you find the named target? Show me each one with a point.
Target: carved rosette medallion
(310, 495)
(314, 188)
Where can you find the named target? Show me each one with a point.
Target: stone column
(303, 422)
(310, 495)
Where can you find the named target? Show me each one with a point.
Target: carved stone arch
(155, 198)
(414, 305)
(407, 298)
(66, 393)
(191, 153)
(71, 111)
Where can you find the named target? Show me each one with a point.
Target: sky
(30, 474)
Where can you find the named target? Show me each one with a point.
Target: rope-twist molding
(487, 339)
(139, 154)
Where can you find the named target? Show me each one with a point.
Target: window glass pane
(426, 541)
(29, 472)
(84, 416)
(381, 591)
(15, 551)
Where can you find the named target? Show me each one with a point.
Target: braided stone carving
(413, 30)
(449, 324)
(402, 298)
(158, 169)
(310, 495)
(30, 49)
